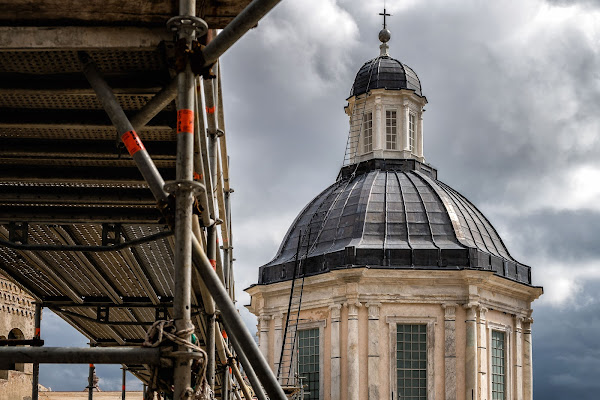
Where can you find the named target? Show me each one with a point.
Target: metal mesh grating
(80, 132)
(62, 62)
(55, 100)
(156, 258)
(39, 282)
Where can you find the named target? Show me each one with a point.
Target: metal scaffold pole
(36, 366)
(91, 382)
(183, 188)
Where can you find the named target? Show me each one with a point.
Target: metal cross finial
(385, 15)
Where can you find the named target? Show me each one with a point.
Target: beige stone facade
(84, 395)
(358, 311)
(16, 321)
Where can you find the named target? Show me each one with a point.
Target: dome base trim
(426, 259)
(403, 165)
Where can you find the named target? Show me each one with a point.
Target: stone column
(377, 126)
(518, 358)
(471, 352)
(335, 352)
(278, 342)
(263, 338)
(373, 363)
(527, 361)
(353, 361)
(483, 354)
(404, 135)
(420, 135)
(450, 350)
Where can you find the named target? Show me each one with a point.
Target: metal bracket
(18, 232)
(102, 313)
(188, 22)
(176, 186)
(161, 314)
(111, 234)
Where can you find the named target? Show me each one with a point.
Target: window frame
(364, 130)
(412, 130)
(507, 330)
(320, 325)
(430, 322)
(395, 135)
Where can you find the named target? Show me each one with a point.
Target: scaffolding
(118, 232)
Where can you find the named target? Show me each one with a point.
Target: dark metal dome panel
(384, 217)
(385, 72)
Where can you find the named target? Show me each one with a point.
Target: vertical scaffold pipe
(91, 382)
(36, 366)
(182, 374)
(124, 383)
(210, 350)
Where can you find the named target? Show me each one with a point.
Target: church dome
(391, 214)
(385, 72)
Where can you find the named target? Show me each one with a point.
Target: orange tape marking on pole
(213, 263)
(185, 121)
(210, 110)
(224, 334)
(132, 142)
(37, 332)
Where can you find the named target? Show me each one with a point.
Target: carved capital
(263, 322)
(353, 308)
(335, 312)
(482, 311)
(278, 318)
(373, 310)
(471, 310)
(449, 310)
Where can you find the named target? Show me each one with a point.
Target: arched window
(17, 334)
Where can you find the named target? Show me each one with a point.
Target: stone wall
(16, 321)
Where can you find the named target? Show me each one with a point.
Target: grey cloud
(566, 3)
(566, 350)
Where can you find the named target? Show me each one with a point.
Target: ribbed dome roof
(385, 72)
(392, 214)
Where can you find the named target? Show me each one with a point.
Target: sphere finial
(384, 35)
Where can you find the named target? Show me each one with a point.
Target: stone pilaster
(353, 361)
(404, 135)
(335, 352)
(278, 342)
(263, 335)
(518, 358)
(471, 352)
(377, 126)
(483, 354)
(373, 363)
(450, 350)
(420, 135)
(527, 360)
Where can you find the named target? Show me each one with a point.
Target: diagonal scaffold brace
(185, 188)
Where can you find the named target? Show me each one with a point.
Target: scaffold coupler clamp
(180, 188)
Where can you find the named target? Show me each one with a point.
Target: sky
(512, 124)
